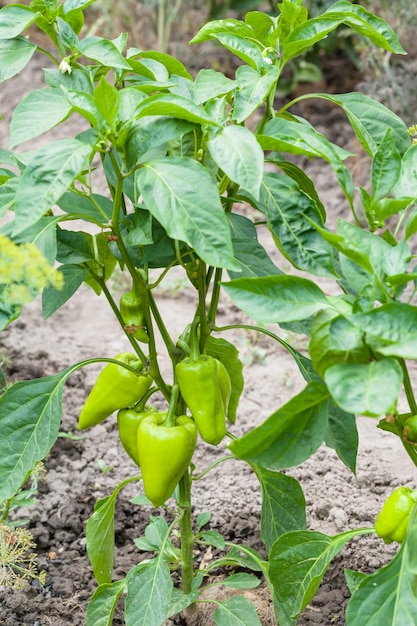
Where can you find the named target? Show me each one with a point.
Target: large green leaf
(236, 151)
(149, 588)
(287, 207)
(299, 137)
(53, 299)
(386, 167)
(391, 329)
(174, 106)
(367, 389)
(15, 54)
(30, 416)
(253, 89)
(252, 258)
(342, 435)
(14, 20)
(407, 182)
(100, 536)
(236, 611)
(228, 354)
(181, 194)
(103, 603)
(370, 120)
(210, 84)
(298, 561)
(46, 178)
(40, 111)
(291, 434)
(388, 596)
(103, 51)
(277, 298)
(283, 505)
(309, 32)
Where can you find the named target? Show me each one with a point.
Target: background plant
(178, 159)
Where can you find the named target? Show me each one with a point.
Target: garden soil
(84, 467)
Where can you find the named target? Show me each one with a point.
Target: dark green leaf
(277, 298)
(74, 246)
(101, 607)
(367, 389)
(286, 207)
(15, 54)
(228, 354)
(298, 562)
(30, 415)
(236, 611)
(342, 435)
(291, 434)
(96, 209)
(386, 167)
(53, 299)
(50, 172)
(283, 505)
(182, 196)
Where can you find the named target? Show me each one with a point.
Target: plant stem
(186, 530)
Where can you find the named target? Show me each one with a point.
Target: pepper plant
(179, 156)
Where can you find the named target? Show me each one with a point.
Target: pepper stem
(186, 530)
(170, 418)
(194, 342)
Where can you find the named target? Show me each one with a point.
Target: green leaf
(171, 63)
(103, 263)
(253, 89)
(100, 536)
(14, 20)
(50, 172)
(203, 519)
(37, 113)
(342, 435)
(228, 354)
(175, 106)
(304, 182)
(149, 588)
(291, 434)
(283, 505)
(213, 538)
(370, 120)
(75, 5)
(73, 246)
(107, 100)
(299, 137)
(210, 84)
(407, 182)
(241, 581)
(353, 579)
(389, 595)
(15, 54)
(236, 611)
(287, 207)
(252, 258)
(103, 602)
(236, 151)
(30, 415)
(85, 105)
(103, 51)
(298, 562)
(277, 298)
(181, 195)
(248, 50)
(180, 601)
(386, 167)
(309, 32)
(97, 209)
(53, 299)
(367, 389)
(217, 27)
(391, 329)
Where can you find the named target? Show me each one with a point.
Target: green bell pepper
(392, 521)
(131, 310)
(116, 388)
(164, 453)
(205, 387)
(128, 421)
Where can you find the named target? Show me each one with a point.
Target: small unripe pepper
(116, 388)
(131, 310)
(128, 421)
(205, 386)
(410, 429)
(164, 453)
(392, 521)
